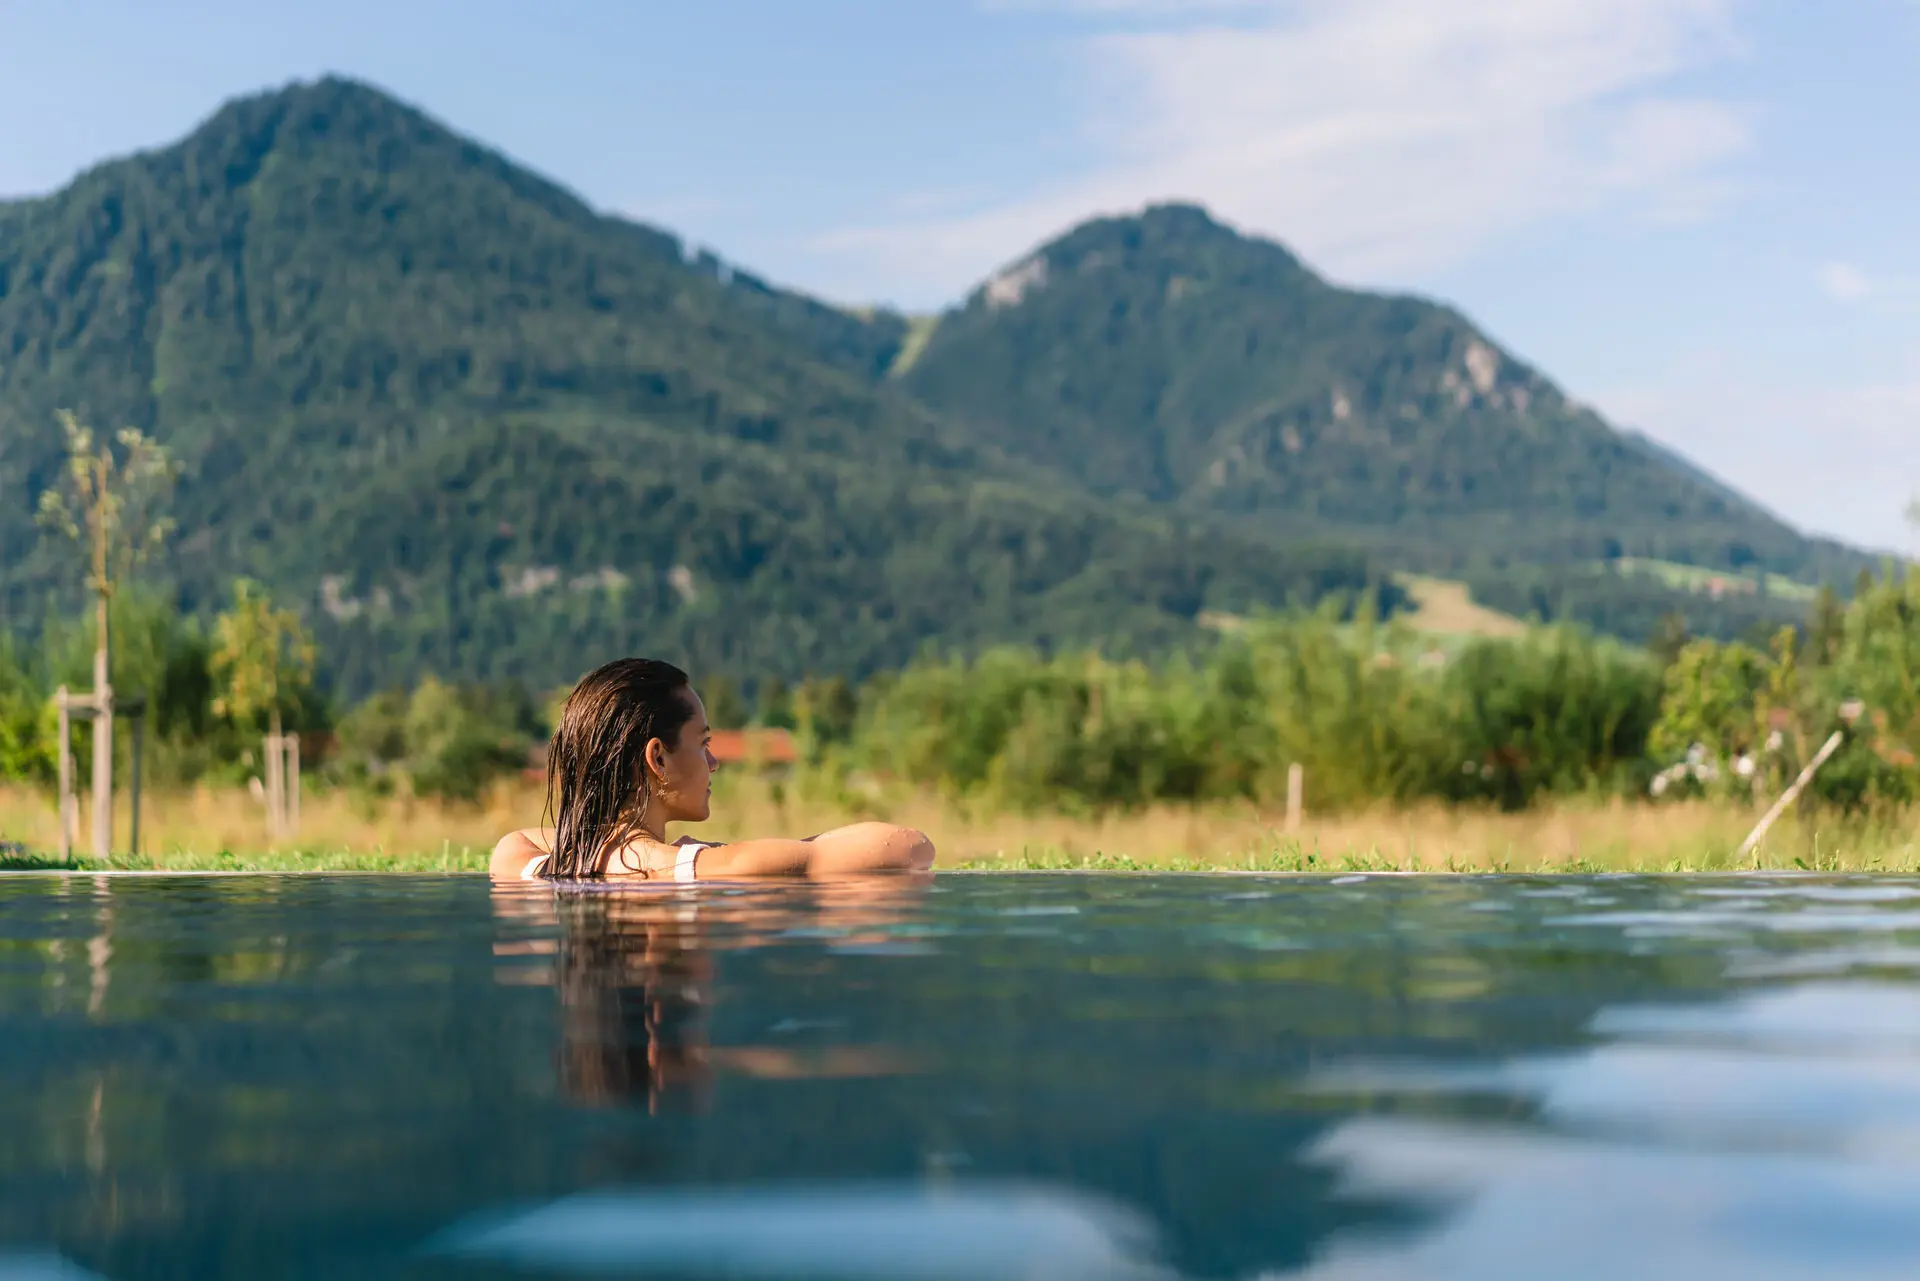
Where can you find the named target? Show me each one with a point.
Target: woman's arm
(515, 851)
(860, 847)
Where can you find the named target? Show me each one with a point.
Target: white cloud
(1380, 137)
(1844, 281)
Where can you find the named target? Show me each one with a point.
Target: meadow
(223, 829)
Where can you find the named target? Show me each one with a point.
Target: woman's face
(684, 773)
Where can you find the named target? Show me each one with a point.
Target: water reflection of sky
(983, 1076)
(1772, 1135)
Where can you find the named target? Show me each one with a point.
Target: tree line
(1374, 711)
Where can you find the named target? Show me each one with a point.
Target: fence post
(102, 760)
(1296, 795)
(66, 774)
(293, 786)
(139, 728)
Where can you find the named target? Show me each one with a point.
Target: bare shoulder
(515, 852)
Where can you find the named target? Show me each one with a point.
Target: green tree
(108, 502)
(26, 745)
(726, 709)
(459, 740)
(1669, 637)
(1878, 663)
(1826, 627)
(1556, 710)
(441, 740)
(262, 659)
(776, 704)
(824, 712)
(1711, 701)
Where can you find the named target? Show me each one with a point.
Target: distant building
(755, 748)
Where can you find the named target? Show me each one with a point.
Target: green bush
(27, 726)
(440, 740)
(1735, 719)
(1555, 712)
(1370, 712)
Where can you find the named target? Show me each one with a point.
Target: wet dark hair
(597, 781)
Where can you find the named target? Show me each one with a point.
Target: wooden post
(275, 759)
(280, 783)
(60, 698)
(293, 786)
(102, 747)
(139, 728)
(1792, 794)
(84, 707)
(1296, 795)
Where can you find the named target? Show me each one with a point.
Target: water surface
(985, 1076)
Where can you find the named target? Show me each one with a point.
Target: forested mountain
(1167, 356)
(472, 426)
(475, 427)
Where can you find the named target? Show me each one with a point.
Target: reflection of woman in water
(631, 755)
(634, 975)
(632, 980)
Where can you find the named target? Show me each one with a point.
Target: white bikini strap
(683, 863)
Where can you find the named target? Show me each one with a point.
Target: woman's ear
(656, 757)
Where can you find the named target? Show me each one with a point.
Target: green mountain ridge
(473, 426)
(371, 343)
(1189, 364)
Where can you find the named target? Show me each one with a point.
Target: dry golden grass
(214, 829)
(1591, 836)
(211, 828)
(1443, 607)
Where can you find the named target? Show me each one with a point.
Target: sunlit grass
(1692, 578)
(1443, 607)
(225, 830)
(919, 334)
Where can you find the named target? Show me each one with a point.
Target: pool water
(1030, 1076)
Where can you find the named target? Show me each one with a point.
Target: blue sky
(1697, 215)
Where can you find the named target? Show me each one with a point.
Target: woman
(631, 755)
